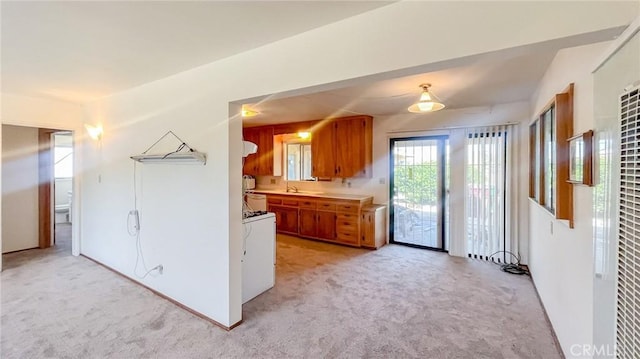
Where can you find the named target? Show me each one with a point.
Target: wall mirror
(581, 159)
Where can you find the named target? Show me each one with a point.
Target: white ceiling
(482, 83)
(81, 51)
(78, 51)
(485, 80)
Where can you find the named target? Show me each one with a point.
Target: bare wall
(19, 188)
(561, 258)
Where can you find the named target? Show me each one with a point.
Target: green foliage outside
(417, 184)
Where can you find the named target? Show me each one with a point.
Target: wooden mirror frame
(585, 140)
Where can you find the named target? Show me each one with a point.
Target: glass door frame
(442, 190)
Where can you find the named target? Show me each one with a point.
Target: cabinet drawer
(348, 217)
(347, 207)
(347, 237)
(274, 200)
(290, 202)
(347, 227)
(308, 204)
(326, 206)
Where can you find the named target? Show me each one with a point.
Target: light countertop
(347, 196)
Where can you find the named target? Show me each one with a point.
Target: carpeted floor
(329, 301)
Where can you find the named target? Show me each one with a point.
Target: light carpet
(329, 301)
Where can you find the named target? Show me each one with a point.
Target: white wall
(191, 220)
(561, 259)
(19, 188)
(44, 113)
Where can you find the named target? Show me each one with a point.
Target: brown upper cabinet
(342, 147)
(260, 163)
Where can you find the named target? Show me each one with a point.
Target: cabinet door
(368, 225)
(289, 220)
(265, 151)
(308, 225)
(326, 225)
(251, 161)
(323, 150)
(353, 145)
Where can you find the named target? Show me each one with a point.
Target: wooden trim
(169, 299)
(564, 130)
(587, 158)
(45, 177)
(563, 121)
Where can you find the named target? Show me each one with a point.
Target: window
(549, 155)
(534, 161)
(298, 157)
(549, 140)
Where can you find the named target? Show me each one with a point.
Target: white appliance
(248, 182)
(259, 261)
(257, 202)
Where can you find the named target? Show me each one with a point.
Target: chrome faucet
(293, 189)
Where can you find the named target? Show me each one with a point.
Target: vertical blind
(486, 203)
(628, 318)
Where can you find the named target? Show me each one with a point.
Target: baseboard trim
(169, 299)
(21, 250)
(546, 317)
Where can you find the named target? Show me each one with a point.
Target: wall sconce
(304, 135)
(95, 132)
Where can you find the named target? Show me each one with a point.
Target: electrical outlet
(381, 180)
(551, 227)
(272, 181)
(160, 269)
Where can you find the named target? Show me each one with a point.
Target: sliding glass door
(418, 189)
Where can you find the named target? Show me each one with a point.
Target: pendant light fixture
(428, 102)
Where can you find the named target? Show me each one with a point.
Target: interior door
(418, 188)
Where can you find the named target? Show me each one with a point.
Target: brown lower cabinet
(286, 219)
(308, 225)
(326, 225)
(355, 223)
(374, 221)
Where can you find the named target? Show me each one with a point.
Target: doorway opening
(419, 182)
(62, 188)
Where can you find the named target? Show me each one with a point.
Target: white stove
(250, 216)
(258, 263)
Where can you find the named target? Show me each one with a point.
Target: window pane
(293, 162)
(306, 162)
(549, 138)
(536, 155)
